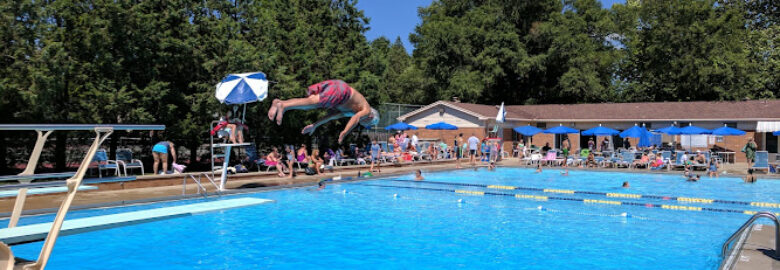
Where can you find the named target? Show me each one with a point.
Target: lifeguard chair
(236, 90)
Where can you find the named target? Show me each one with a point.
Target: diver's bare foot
(279, 113)
(272, 111)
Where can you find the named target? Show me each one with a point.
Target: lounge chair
(678, 161)
(627, 159)
(103, 163)
(124, 157)
(666, 156)
(254, 157)
(551, 158)
(762, 161)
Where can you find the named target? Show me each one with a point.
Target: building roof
(613, 112)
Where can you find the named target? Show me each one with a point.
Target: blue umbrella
(727, 131)
(634, 132)
(600, 131)
(527, 130)
(694, 130)
(670, 130)
(441, 126)
(400, 126)
(561, 130)
(242, 88)
(776, 133)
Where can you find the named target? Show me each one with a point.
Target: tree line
(135, 61)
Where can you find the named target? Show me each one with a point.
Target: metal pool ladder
(201, 189)
(725, 248)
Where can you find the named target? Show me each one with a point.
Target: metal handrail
(747, 224)
(198, 182)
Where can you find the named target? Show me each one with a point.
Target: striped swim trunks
(332, 93)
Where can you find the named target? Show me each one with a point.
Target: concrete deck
(757, 251)
(165, 186)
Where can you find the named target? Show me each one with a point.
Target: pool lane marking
(586, 201)
(613, 195)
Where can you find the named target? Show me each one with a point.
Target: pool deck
(757, 249)
(168, 187)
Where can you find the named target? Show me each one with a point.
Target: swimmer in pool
(626, 185)
(321, 185)
(539, 168)
(565, 173)
(418, 176)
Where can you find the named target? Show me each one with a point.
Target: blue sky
(393, 18)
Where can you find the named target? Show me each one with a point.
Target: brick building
(759, 118)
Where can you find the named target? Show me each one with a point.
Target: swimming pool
(392, 224)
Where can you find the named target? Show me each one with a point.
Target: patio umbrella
(400, 126)
(727, 131)
(693, 130)
(561, 130)
(638, 132)
(670, 130)
(634, 132)
(242, 88)
(776, 133)
(600, 131)
(527, 130)
(441, 126)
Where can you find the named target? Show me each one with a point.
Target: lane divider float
(607, 194)
(586, 201)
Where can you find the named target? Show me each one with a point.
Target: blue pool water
(368, 225)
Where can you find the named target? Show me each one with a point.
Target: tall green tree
(684, 50)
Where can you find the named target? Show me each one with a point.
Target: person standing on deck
(565, 146)
(375, 156)
(473, 143)
(415, 140)
(160, 153)
(750, 151)
(458, 150)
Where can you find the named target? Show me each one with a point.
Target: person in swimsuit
(713, 169)
(302, 154)
(418, 176)
(273, 160)
(375, 152)
(458, 150)
(160, 153)
(750, 178)
(336, 96)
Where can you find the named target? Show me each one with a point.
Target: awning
(768, 126)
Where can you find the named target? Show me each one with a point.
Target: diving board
(38, 232)
(46, 190)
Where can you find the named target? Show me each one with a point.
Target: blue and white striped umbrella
(242, 88)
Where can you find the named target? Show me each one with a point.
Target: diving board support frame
(7, 260)
(228, 148)
(72, 184)
(35, 155)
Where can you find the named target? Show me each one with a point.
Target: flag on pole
(501, 117)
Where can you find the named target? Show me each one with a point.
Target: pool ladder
(725, 249)
(201, 189)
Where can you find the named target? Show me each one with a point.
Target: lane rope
(586, 201)
(606, 194)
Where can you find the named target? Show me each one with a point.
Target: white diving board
(38, 232)
(46, 190)
(46, 127)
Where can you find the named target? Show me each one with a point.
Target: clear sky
(394, 18)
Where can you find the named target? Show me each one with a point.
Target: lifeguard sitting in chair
(228, 127)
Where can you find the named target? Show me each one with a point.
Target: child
(713, 170)
(750, 178)
(418, 176)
